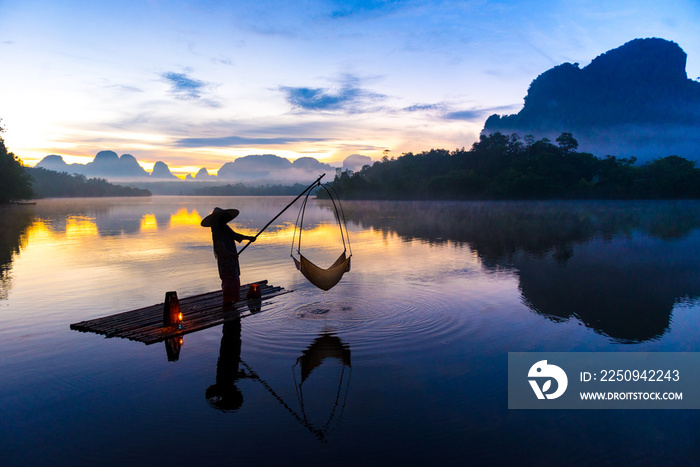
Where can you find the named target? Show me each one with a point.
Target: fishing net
(323, 278)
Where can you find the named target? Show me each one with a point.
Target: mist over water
(403, 362)
(645, 142)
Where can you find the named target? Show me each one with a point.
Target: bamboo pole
(308, 188)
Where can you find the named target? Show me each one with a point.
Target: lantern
(253, 292)
(171, 310)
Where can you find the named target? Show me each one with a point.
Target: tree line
(497, 166)
(18, 182)
(502, 166)
(52, 184)
(241, 189)
(15, 182)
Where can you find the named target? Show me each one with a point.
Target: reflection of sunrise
(317, 236)
(148, 222)
(172, 235)
(80, 227)
(39, 232)
(183, 218)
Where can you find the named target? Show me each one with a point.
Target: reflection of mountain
(624, 288)
(106, 218)
(16, 220)
(618, 267)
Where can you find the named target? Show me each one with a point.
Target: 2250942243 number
(637, 375)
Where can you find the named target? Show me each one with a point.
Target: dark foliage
(504, 167)
(51, 184)
(15, 182)
(13, 238)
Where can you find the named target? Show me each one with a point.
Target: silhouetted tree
(15, 182)
(672, 177)
(567, 143)
(503, 167)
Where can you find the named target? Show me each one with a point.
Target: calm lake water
(404, 362)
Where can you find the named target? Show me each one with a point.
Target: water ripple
(370, 324)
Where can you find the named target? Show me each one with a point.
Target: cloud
(349, 97)
(465, 114)
(240, 141)
(223, 60)
(424, 107)
(318, 98)
(182, 86)
(124, 88)
(477, 114)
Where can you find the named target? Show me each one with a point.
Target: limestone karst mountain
(635, 100)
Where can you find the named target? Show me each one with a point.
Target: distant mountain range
(635, 100)
(261, 168)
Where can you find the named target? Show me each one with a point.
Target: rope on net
(327, 278)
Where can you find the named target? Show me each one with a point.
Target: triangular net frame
(324, 279)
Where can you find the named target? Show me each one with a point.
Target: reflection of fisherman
(225, 239)
(224, 395)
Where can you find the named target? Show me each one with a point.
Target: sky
(200, 83)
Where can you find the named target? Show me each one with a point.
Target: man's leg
(231, 286)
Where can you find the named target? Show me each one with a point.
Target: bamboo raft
(198, 312)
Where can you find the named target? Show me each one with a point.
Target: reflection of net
(323, 347)
(324, 279)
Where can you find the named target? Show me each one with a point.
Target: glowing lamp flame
(253, 291)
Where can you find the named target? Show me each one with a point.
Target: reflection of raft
(198, 312)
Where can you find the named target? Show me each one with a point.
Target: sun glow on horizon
(216, 81)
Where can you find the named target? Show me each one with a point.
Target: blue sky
(199, 83)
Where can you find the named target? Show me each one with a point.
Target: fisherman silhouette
(224, 239)
(224, 395)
